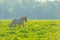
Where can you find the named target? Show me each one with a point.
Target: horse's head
(25, 18)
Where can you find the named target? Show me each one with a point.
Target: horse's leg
(14, 25)
(19, 26)
(22, 24)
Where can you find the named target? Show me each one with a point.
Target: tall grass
(33, 30)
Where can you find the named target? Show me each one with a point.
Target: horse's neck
(15, 19)
(21, 18)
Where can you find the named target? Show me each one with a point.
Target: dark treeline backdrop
(33, 9)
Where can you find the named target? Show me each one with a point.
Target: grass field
(33, 30)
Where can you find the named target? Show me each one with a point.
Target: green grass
(33, 30)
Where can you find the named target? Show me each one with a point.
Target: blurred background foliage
(33, 9)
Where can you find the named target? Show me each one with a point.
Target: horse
(19, 21)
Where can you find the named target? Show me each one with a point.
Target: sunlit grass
(32, 30)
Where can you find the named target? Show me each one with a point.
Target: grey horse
(19, 21)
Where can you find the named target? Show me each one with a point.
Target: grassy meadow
(32, 30)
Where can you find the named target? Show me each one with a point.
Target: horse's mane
(22, 18)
